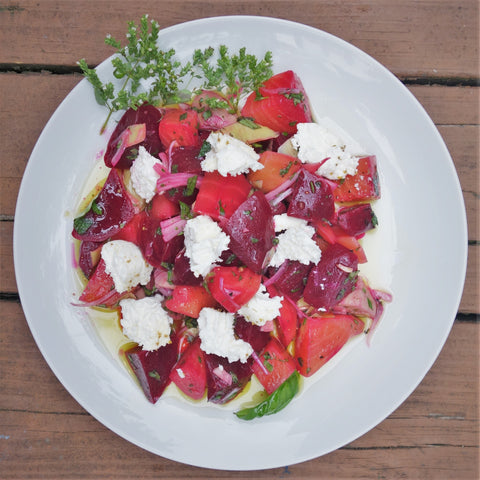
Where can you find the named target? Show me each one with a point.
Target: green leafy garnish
(82, 224)
(150, 74)
(275, 402)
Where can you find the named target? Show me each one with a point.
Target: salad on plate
(225, 231)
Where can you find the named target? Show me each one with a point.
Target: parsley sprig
(153, 75)
(237, 73)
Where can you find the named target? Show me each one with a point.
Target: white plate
(418, 253)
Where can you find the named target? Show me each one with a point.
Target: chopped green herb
(248, 122)
(191, 184)
(206, 147)
(82, 224)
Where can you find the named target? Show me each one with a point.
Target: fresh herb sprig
(140, 63)
(153, 75)
(237, 73)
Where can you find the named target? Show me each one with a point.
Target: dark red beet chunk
(153, 368)
(251, 231)
(109, 212)
(182, 275)
(147, 114)
(185, 160)
(332, 278)
(292, 278)
(88, 259)
(357, 219)
(155, 250)
(220, 392)
(312, 198)
(251, 334)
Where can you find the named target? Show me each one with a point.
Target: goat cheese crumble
(124, 262)
(295, 241)
(145, 322)
(314, 143)
(217, 336)
(229, 155)
(204, 243)
(143, 175)
(261, 308)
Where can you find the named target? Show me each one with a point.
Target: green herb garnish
(274, 402)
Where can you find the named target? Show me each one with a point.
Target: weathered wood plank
(407, 37)
(44, 432)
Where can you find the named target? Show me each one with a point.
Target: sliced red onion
(223, 375)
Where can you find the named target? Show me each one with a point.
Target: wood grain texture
(408, 37)
(41, 426)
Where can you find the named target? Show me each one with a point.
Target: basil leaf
(82, 224)
(275, 402)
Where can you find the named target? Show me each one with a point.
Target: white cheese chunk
(295, 241)
(229, 155)
(315, 143)
(217, 336)
(144, 177)
(204, 243)
(124, 262)
(261, 308)
(145, 322)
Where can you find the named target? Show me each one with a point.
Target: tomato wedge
(233, 287)
(362, 186)
(189, 300)
(320, 338)
(278, 366)
(189, 373)
(277, 168)
(219, 196)
(180, 126)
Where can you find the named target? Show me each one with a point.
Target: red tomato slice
(162, 207)
(320, 338)
(277, 168)
(279, 111)
(189, 373)
(233, 287)
(180, 126)
(100, 289)
(278, 363)
(362, 186)
(287, 321)
(130, 231)
(189, 300)
(219, 196)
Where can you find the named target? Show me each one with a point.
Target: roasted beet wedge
(312, 198)
(225, 380)
(89, 257)
(251, 334)
(154, 248)
(109, 212)
(357, 219)
(291, 277)
(150, 116)
(185, 160)
(153, 368)
(332, 278)
(182, 275)
(252, 231)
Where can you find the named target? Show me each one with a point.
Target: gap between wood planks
(71, 69)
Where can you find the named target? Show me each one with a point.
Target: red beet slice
(154, 248)
(252, 231)
(185, 160)
(153, 368)
(218, 390)
(251, 334)
(182, 275)
(291, 279)
(332, 278)
(147, 114)
(357, 219)
(88, 257)
(109, 212)
(312, 198)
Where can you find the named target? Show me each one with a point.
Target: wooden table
(430, 45)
